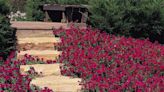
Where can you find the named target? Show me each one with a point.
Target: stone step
(34, 33)
(58, 83)
(40, 46)
(37, 43)
(45, 54)
(38, 40)
(27, 25)
(42, 69)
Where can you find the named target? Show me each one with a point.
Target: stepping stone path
(37, 39)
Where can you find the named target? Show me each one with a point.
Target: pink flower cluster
(11, 80)
(107, 63)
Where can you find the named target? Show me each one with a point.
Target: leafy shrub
(7, 34)
(4, 8)
(33, 10)
(17, 5)
(17, 16)
(107, 63)
(136, 18)
(11, 80)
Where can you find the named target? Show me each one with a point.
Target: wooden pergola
(65, 13)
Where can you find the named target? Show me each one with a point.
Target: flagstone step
(40, 46)
(38, 40)
(45, 54)
(38, 43)
(58, 83)
(34, 33)
(42, 69)
(27, 25)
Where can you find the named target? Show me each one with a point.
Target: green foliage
(4, 8)
(7, 34)
(33, 11)
(17, 5)
(136, 18)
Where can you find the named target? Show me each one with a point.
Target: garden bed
(107, 63)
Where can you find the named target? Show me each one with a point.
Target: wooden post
(63, 17)
(84, 17)
(46, 16)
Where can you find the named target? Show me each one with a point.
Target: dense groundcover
(11, 80)
(107, 63)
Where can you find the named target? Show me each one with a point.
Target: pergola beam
(61, 7)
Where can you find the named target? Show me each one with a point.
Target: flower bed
(12, 81)
(107, 63)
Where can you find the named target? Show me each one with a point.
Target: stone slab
(34, 33)
(42, 69)
(38, 40)
(58, 83)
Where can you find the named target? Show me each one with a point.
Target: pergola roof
(61, 7)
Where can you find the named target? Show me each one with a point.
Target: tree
(136, 18)
(17, 5)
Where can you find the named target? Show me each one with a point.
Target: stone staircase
(40, 46)
(40, 42)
